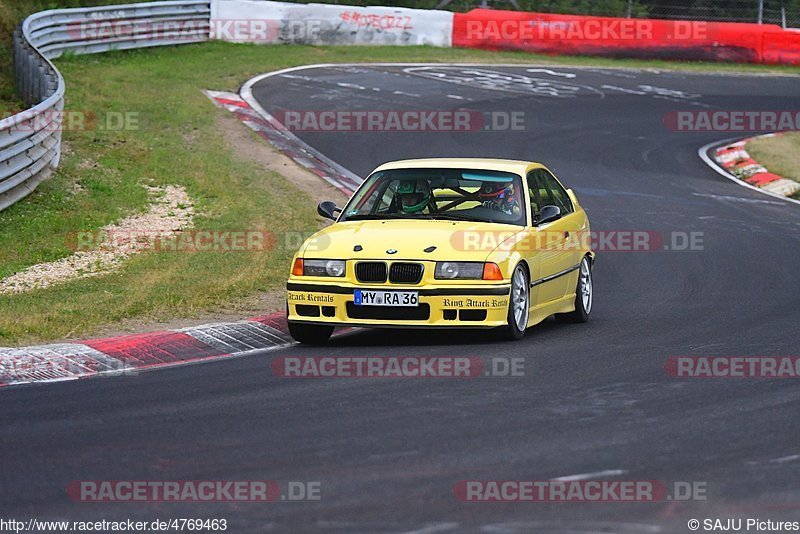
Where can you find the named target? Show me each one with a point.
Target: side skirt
(541, 312)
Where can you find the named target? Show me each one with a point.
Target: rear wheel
(311, 334)
(518, 305)
(584, 296)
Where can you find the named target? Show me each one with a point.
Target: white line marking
(671, 93)
(351, 86)
(456, 97)
(616, 69)
(439, 527)
(493, 80)
(623, 90)
(247, 94)
(589, 476)
(553, 73)
(294, 77)
(403, 93)
(785, 459)
(737, 199)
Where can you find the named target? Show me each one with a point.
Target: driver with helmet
(500, 196)
(414, 195)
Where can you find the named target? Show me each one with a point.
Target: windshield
(447, 194)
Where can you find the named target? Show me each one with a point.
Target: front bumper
(484, 306)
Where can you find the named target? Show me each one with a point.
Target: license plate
(386, 298)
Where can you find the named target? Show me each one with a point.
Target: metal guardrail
(30, 142)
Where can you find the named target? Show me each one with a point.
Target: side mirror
(328, 209)
(548, 214)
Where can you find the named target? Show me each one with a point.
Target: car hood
(453, 240)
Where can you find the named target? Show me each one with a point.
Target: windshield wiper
(416, 217)
(373, 216)
(452, 217)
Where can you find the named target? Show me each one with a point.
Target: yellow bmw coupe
(438, 243)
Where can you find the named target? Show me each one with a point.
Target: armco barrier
(30, 142)
(638, 38)
(325, 24)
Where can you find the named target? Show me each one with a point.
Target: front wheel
(310, 334)
(518, 305)
(584, 296)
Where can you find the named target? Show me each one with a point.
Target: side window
(557, 194)
(540, 195)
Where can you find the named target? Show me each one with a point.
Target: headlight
(333, 268)
(458, 270)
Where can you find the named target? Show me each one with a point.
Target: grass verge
(178, 141)
(12, 12)
(779, 154)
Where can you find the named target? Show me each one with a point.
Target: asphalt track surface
(594, 398)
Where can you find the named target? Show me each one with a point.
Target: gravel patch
(170, 211)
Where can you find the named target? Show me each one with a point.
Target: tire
(519, 305)
(584, 296)
(310, 334)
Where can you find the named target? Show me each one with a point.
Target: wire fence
(782, 13)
